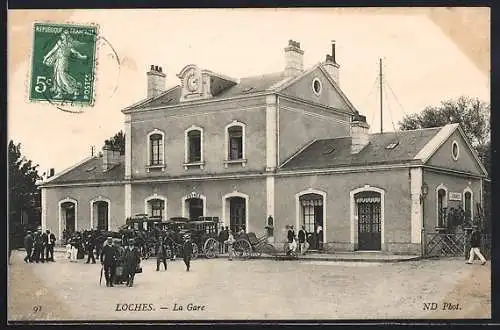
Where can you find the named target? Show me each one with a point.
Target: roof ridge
(146, 100)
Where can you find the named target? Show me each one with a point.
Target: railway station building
(277, 149)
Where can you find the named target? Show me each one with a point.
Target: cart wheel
(195, 251)
(242, 248)
(211, 248)
(268, 249)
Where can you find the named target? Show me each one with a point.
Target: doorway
(368, 204)
(237, 214)
(312, 219)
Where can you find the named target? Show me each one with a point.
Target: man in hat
(187, 251)
(161, 253)
(50, 246)
(131, 259)
(28, 246)
(89, 248)
(108, 260)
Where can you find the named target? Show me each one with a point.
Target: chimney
(294, 59)
(359, 133)
(156, 81)
(51, 172)
(110, 157)
(331, 64)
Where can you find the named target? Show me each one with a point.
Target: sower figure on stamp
(187, 251)
(161, 253)
(108, 260)
(28, 245)
(475, 243)
(132, 259)
(58, 58)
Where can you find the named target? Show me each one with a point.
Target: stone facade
(295, 163)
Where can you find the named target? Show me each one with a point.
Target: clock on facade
(192, 81)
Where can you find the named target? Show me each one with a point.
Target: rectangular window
(156, 150)
(157, 208)
(235, 143)
(194, 146)
(309, 216)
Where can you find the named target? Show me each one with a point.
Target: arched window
(156, 149)
(194, 146)
(468, 205)
(235, 143)
(442, 204)
(156, 141)
(156, 206)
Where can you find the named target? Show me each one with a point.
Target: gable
(465, 162)
(329, 96)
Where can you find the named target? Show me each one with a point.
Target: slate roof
(245, 86)
(91, 171)
(331, 153)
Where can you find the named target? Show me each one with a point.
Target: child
(229, 242)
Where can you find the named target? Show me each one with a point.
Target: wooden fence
(438, 244)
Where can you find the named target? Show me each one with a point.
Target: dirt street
(255, 289)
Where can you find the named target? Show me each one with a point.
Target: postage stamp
(63, 64)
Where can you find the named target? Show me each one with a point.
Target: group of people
(299, 241)
(226, 240)
(164, 250)
(39, 246)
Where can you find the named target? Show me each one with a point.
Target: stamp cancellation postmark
(63, 64)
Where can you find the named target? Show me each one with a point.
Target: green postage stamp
(63, 64)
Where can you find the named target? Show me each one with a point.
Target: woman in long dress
(58, 57)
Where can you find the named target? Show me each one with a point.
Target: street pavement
(219, 289)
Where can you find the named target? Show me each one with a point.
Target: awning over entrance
(368, 200)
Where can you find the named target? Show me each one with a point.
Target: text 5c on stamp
(63, 64)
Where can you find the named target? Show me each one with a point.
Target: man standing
(187, 251)
(475, 243)
(49, 255)
(89, 248)
(37, 247)
(302, 239)
(161, 253)
(291, 240)
(45, 243)
(108, 260)
(28, 245)
(132, 259)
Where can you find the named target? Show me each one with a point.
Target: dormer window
(194, 147)
(156, 154)
(235, 143)
(392, 145)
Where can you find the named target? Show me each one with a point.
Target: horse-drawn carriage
(203, 232)
(248, 245)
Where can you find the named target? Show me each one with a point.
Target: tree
(473, 116)
(472, 113)
(117, 141)
(23, 192)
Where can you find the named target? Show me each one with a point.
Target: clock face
(192, 81)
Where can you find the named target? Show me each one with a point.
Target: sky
(421, 65)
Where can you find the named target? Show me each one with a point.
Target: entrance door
(312, 219)
(102, 215)
(68, 214)
(369, 223)
(237, 213)
(195, 206)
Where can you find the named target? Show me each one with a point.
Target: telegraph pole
(381, 98)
